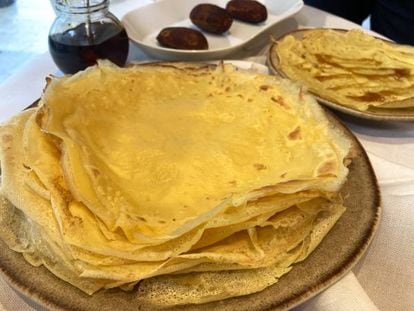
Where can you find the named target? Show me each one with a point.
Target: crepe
(350, 68)
(170, 175)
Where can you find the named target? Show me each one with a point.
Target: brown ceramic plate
(391, 114)
(333, 258)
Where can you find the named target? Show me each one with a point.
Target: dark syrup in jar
(77, 48)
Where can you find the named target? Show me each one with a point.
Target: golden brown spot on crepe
(26, 167)
(64, 193)
(295, 134)
(233, 183)
(402, 72)
(75, 221)
(259, 166)
(280, 101)
(264, 87)
(95, 172)
(369, 97)
(327, 168)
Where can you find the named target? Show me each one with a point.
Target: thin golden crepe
(350, 68)
(173, 175)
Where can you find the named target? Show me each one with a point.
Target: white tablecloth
(384, 278)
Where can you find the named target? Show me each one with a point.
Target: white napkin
(394, 179)
(345, 295)
(393, 141)
(387, 271)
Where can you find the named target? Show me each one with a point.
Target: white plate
(144, 24)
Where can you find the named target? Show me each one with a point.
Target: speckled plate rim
(30, 292)
(273, 63)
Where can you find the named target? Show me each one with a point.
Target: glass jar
(85, 31)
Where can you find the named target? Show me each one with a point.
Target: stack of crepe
(199, 183)
(350, 68)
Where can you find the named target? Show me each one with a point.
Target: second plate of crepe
(383, 83)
